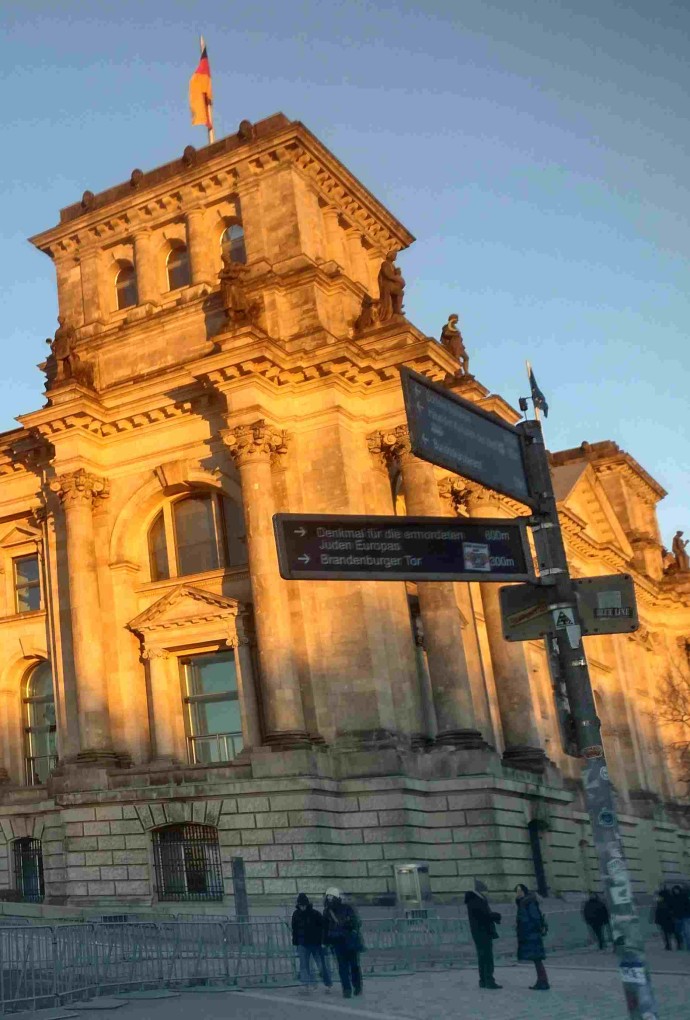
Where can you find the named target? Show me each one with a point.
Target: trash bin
(413, 888)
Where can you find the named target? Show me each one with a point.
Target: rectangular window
(214, 727)
(27, 584)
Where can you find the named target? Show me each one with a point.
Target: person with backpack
(342, 932)
(596, 915)
(664, 919)
(307, 937)
(483, 921)
(531, 928)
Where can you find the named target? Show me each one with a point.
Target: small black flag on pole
(538, 398)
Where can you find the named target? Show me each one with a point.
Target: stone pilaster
(147, 271)
(244, 640)
(201, 264)
(252, 447)
(511, 673)
(91, 286)
(438, 606)
(77, 491)
(161, 705)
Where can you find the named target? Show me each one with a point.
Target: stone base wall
(304, 833)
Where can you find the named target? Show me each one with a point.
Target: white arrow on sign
(301, 532)
(304, 559)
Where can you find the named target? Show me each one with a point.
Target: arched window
(178, 267)
(40, 747)
(158, 550)
(28, 869)
(195, 534)
(187, 863)
(232, 243)
(126, 286)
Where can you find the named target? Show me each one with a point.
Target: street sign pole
(598, 791)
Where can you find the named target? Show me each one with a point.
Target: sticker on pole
(633, 975)
(563, 618)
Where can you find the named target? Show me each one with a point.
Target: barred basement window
(28, 869)
(187, 863)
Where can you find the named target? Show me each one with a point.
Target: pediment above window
(189, 611)
(19, 534)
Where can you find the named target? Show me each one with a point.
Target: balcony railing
(39, 768)
(209, 748)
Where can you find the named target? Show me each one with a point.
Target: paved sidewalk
(585, 986)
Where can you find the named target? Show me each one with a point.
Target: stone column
(335, 237)
(437, 603)
(516, 704)
(161, 703)
(77, 492)
(201, 263)
(252, 447)
(147, 271)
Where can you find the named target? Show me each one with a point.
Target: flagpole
(529, 376)
(209, 110)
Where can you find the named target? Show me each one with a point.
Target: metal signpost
(607, 605)
(332, 548)
(599, 794)
(455, 434)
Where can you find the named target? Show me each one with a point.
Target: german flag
(201, 92)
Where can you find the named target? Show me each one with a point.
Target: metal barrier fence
(51, 965)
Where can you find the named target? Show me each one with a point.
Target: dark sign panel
(606, 605)
(455, 434)
(351, 548)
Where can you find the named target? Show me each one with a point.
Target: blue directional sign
(350, 548)
(457, 435)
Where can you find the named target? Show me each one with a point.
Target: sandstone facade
(167, 702)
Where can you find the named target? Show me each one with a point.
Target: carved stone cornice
(258, 441)
(456, 492)
(155, 653)
(393, 445)
(79, 488)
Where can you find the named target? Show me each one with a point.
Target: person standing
(596, 915)
(663, 918)
(680, 908)
(342, 932)
(531, 927)
(307, 937)
(483, 921)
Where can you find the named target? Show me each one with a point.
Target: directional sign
(350, 548)
(455, 434)
(606, 605)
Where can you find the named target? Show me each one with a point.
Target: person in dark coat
(307, 937)
(679, 901)
(530, 926)
(483, 921)
(596, 915)
(342, 931)
(665, 921)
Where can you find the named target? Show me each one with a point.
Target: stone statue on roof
(678, 547)
(391, 289)
(451, 339)
(68, 366)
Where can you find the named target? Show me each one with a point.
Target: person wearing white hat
(341, 931)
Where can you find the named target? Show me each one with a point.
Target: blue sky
(538, 151)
